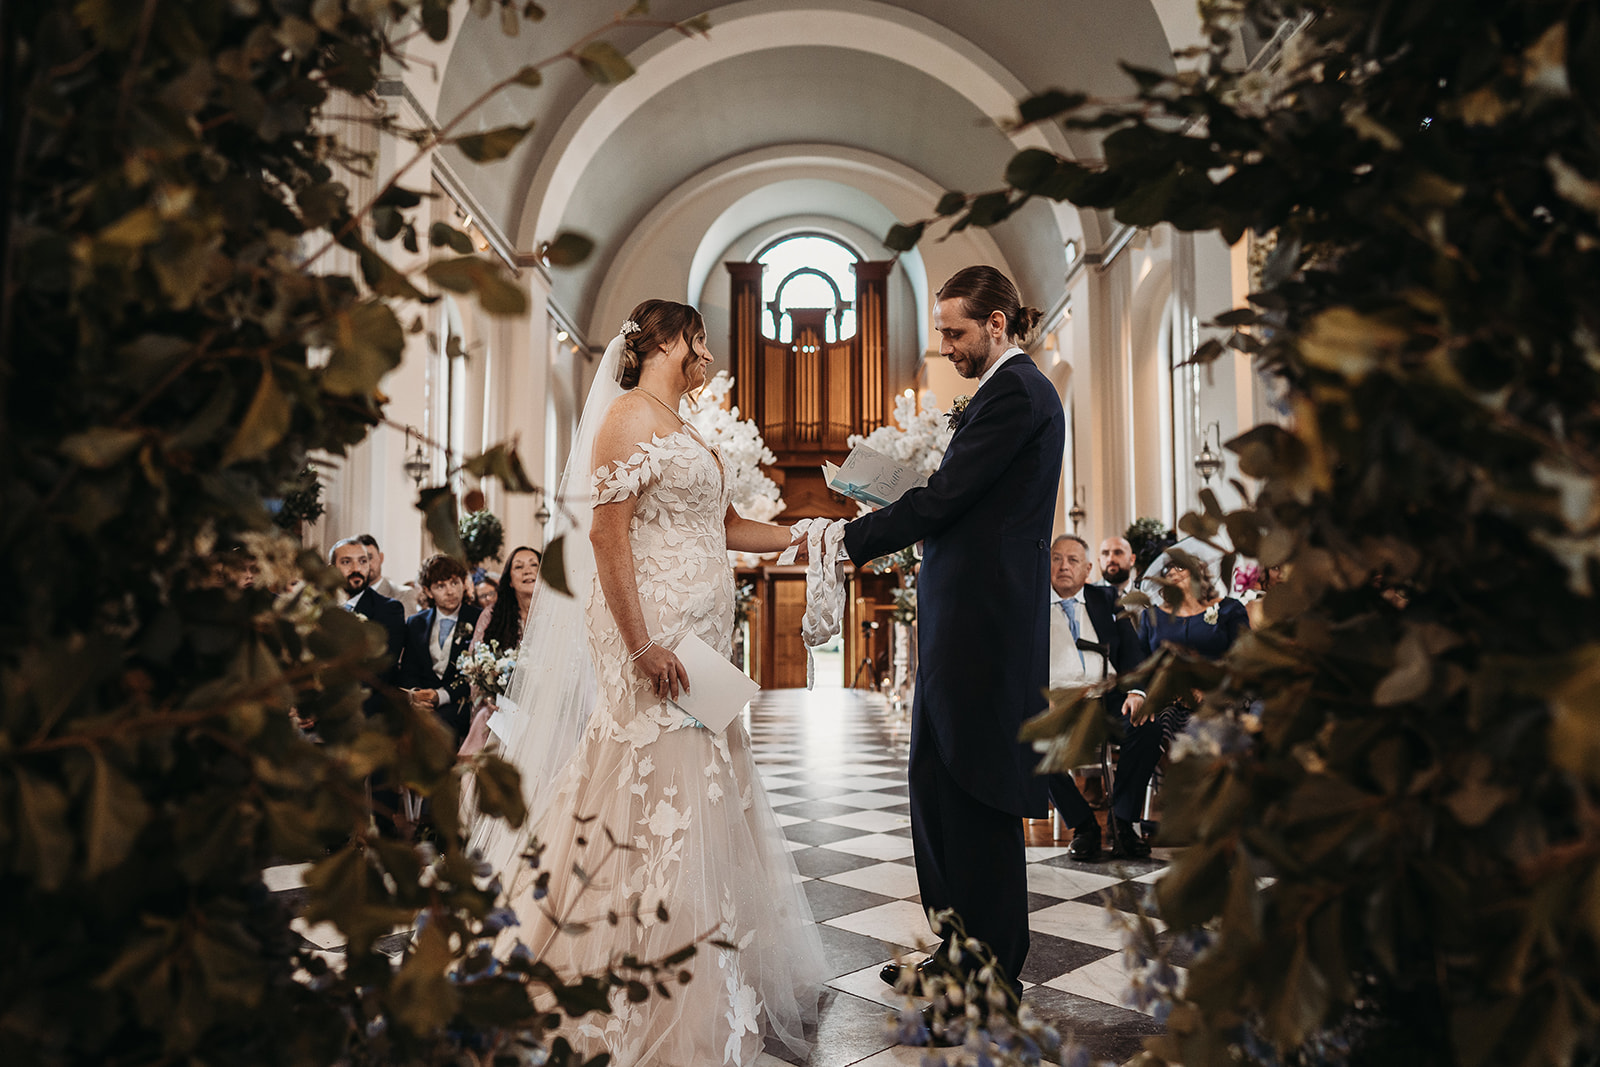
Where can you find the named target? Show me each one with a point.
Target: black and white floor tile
(833, 764)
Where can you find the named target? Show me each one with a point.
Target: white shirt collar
(997, 364)
(1056, 598)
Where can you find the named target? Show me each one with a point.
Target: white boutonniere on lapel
(957, 407)
(1211, 614)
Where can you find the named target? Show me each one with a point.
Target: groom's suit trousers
(969, 856)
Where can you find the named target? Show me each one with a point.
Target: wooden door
(787, 667)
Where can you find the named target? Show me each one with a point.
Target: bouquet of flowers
(488, 668)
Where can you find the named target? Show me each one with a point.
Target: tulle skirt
(661, 836)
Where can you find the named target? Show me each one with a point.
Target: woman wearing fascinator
(646, 548)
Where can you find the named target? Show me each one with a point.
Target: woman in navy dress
(1206, 624)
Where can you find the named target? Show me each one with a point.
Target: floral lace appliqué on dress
(705, 850)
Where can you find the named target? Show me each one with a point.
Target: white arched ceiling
(689, 233)
(919, 86)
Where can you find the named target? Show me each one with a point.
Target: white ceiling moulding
(763, 25)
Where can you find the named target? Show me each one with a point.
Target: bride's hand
(666, 674)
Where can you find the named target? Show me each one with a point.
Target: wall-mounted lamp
(1208, 462)
(1076, 514)
(416, 462)
(542, 516)
(562, 335)
(1070, 251)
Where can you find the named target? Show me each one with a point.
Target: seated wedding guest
(435, 639)
(485, 592)
(504, 627)
(1204, 623)
(350, 556)
(406, 594)
(1116, 565)
(1088, 643)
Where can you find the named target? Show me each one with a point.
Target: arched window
(808, 271)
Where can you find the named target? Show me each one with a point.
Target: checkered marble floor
(833, 763)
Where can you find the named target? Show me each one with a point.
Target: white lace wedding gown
(704, 842)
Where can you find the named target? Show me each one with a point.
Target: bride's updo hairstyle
(983, 291)
(659, 322)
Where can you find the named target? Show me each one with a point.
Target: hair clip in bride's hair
(629, 327)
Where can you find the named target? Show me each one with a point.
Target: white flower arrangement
(488, 668)
(743, 449)
(916, 438)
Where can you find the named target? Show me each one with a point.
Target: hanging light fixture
(416, 463)
(1076, 514)
(1208, 462)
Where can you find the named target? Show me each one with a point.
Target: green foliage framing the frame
(170, 186)
(1421, 782)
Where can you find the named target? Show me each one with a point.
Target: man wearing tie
(435, 639)
(1088, 643)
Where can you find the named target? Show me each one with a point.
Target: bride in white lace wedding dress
(702, 844)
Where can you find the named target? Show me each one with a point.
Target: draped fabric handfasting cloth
(703, 844)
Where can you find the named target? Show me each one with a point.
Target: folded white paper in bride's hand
(872, 477)
(718, 691)
(504, 721)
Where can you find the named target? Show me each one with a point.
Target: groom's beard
(1113, 574)
(972, 362)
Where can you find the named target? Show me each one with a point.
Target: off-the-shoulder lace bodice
(680, 547)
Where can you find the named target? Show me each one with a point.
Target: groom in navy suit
(983, 625)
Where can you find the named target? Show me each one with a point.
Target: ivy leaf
(45, 845)
(474, 274)
(442, 234)
(265, 422)
(401, 197)
(438, 506)
(387, 222)
(502, 463)
(568, 249)
(492, 144)
(367, 343)
(500, 790)
(902, 238)
(528, 76)
(115, 814)
(435, 16)
(603, 64)
(950, 203)
(386, 280)
(553, 566)
(323, 202)
(1029, 168)
(101, 446)
(1049, 104)
(699, 26)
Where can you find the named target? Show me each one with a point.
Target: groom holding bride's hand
(983, 625)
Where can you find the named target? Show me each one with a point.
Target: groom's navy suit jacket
(983, 595)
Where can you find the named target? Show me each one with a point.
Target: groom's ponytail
(983, 291)
(658, 322)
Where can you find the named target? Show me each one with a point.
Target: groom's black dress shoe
(943, 1038)
(891, 972)
(1126, 842)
